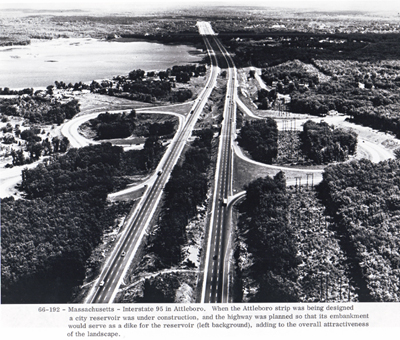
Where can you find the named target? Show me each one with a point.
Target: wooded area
(47, 238)
(352, 74)
(45, 243)
(37, 109)
(122, 125)
(364, 200)
(325, 144)
(185, 190)
(269, 242)
(285, 248)
(260, 139)
(151, 86)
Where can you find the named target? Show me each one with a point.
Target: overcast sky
(113, 5)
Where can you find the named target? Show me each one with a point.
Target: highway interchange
(214, 279)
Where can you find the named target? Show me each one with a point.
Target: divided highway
(215, 275)
(214, 282)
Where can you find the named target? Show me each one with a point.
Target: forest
(122, 125)
(32, 140)
(274, 48)
(260, 139)
(99, 169)
(151, 86)
(269, 241)
(363, 198)
(185, 190)
(48, 236)
(45, 243)
(367, 91)
(374, 107)
(285, 249)
(352, 74)
(324, 144)
(37, 109)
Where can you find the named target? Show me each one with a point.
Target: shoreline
(194, 52)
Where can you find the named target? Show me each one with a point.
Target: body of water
(80, 59)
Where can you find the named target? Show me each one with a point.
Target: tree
(50, 89)
(132, 114)
(70, 108)
(162, 75)
(30, 136)
(64, 144)
(35, 150)
(136, 74)
(9, 139)
(17, 130)
(47, 149)
(183, 77)
(18, 157)
(56, 144)
(151, 293)
(397, 153)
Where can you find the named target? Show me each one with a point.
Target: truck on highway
(224, 201)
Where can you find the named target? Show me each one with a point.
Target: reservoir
(84, 59)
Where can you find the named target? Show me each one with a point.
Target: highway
(215, 275)
(106, 286)
(214, 280)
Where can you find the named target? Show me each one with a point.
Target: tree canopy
(260, 139)
(324, 144)
(48, 237)
(364, 199)
(184, 192)
(270, 241)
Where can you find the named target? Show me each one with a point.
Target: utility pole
(312, 179)
(326, 286)
(298, 182)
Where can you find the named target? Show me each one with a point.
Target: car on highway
(159, 173)
(123, 254)
(101, 284)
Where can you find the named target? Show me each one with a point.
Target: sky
(114, 5)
